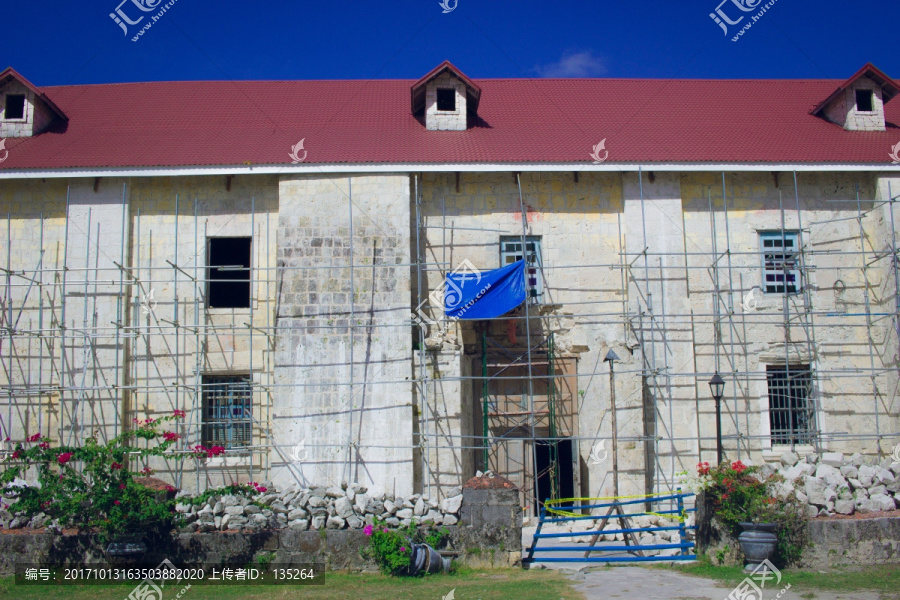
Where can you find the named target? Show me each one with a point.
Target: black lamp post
(717, 387)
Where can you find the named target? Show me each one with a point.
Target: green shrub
(391, 549)
(92, 486)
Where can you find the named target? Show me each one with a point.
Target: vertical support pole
(731, 362)
(253, 296)
(41, 335)
(894, 260)
(615, 429)
(528, 336)
(62, 324)
(268, 355)
(537, 532)
(682, 533)
(869, 342)
(175, 320)
(808, 321)
(423, 372)
(352, 328)
(787, 326)
(718, 430)
(9, 327)
(120, 318)
(484, 402)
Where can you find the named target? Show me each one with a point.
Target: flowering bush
(92, 486)
(391, 549)
(737, 494)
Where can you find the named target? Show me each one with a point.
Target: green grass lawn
(878, 578)
(468, 584)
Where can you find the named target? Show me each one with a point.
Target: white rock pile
(345, 507)
(835, 484)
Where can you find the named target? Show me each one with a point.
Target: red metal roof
(519, 120)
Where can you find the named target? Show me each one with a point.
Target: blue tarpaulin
(485, 294)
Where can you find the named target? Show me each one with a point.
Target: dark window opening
(228, 273)
(227, 411)
(15, 107)
(446, 99)
(790, 409)
(865, 101)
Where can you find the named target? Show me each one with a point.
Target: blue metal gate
(551, 512)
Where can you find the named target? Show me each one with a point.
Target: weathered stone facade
(628, 265)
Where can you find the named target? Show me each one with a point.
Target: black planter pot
(758, 541)
(425, 559)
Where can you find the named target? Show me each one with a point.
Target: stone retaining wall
(489, 535)
(832, 542)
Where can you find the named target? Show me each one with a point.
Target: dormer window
(858, 103)
(25, 110)
(864, 101)
(446, 99)
(15, 107)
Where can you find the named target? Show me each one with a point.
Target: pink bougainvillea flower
(116, 502)
(402, 548)
(34, 437)
(64, 458)
(368, 530)
(43, 445)
(215, 451)
(385, 530)
(169, 488)
(179, 413)
(121, 486)
(739, 466)
(170, 436)
(146, 471)
(115, 466)
(16, 454)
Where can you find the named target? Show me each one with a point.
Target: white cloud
(574, 64)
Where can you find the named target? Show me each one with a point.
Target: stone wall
(489, 535)
(342, 353)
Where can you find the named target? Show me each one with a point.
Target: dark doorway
(564, 470)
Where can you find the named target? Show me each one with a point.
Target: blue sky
(77, 42)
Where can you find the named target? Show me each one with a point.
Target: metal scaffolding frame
(51, 366)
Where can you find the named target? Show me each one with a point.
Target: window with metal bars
(790, 409)
(511, 251)
(227, 411)
(781, 262)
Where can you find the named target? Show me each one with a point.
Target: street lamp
(717, 387)
(611, 358)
